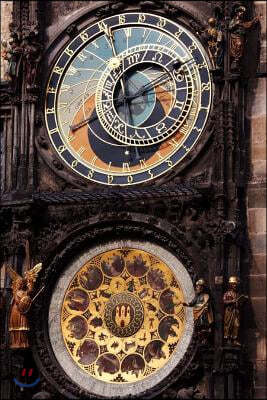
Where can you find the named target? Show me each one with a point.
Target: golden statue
(18, 324)
(238, 28)
(202, 311)
(232, 302)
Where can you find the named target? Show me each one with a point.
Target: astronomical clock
(127, 99)
(124, 188)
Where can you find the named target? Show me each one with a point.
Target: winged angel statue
(22, 288)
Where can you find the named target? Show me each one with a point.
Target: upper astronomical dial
(128, 98)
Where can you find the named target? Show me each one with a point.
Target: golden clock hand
(143, 89)
(110, 36)
(85, 121)
(80, 124)
(177, 65)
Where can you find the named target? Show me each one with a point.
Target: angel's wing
(32, 274)
(13, 274)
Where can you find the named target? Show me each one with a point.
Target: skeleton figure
(22, 288)
(214, 37)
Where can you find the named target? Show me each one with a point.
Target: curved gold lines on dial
(122, 315)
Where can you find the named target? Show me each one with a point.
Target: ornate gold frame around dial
(117, 324)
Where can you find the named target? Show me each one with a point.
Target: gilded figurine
(202, 311)
(233, 301)
(214, 38)
(238, 28)
(18, 324)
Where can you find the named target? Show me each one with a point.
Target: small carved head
(233, 282)
(200, 285)
(212, 22)
(240, 12)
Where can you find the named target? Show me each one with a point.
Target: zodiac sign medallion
(122, 315)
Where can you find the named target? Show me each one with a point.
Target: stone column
(256, 212)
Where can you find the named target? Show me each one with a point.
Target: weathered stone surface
(258, 243)
(259, 169)
(6, 18)
(258, 152)
(257, 220)
(258, 128)
(256, 345)
(257, 197)
(257, 285)
(256, 106)
(260, 392)
(259, 310)
(258, 264)
(260, 373)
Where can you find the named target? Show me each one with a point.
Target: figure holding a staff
(232, 304)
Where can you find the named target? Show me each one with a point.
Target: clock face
(128, 98)
(116, 323)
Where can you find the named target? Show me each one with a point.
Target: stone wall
(256, 212)
(6, 17)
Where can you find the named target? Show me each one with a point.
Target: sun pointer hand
(163, 78)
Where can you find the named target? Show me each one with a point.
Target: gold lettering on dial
(110, 178)
(104, 28)
(50, 110)
(122, 19)
(58, 70)
(81, 150)
(184, 128)
(125, 166)
(173, 143)
(161, 23)
(141, 18)
(128, 32)
(142, 164)
(61, 149)
(64, 88)
(82, 56)
(90, 173)
(70, 138)
(93, 160)
(159, 155)
(71, 71)
(55, 130)
(51, 90)
(84, 36)
(178, 34)
(69, 52)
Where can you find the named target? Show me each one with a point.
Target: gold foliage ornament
(122, 315)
